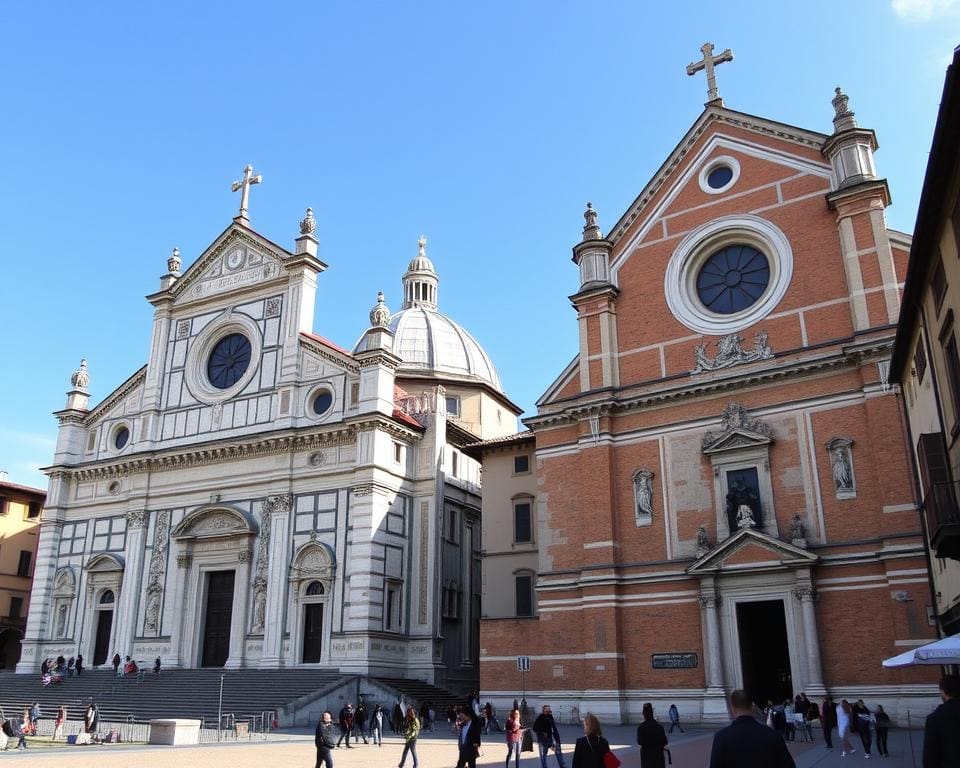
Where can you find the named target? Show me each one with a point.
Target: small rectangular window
(355, 393)
(522, 532)
(16, 607)
(920, 360)
(453, 406)
(397, 452)
(455, 462)
(33, 511)
(3, 505)
(952, 359)
(521, 464)
(23, 567)
(393, 608)
(452, 526)
(524, 583)
(938, 284)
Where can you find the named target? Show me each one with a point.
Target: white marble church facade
(256, 496)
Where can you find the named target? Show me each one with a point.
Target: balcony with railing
(941, 509)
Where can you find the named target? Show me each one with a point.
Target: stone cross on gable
(708, 62)
(244, 185)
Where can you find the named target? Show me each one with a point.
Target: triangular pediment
(735, 440)
(717, 130)
(238, 259)
(749, 550)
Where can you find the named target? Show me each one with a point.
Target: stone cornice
(319, 349)
(690, 387)
(368, 422)
(162, 461)
(117, 395)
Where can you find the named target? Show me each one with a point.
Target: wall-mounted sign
(673, 660)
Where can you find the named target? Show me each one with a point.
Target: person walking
(376, 726)
(674, 714)
(79, 664)
(844, 724)
(652, 740)
(59, 722)
(941, 732)
(548, 737)
(116, 664)
(747, 744)
(829, 719)
(361, 722)
(325, 740)
(20, 730)
(396, 718)
(882, 720)
(91, 720)
(590, 748)
(864, 726)
(345, 719)
(410, 733)
(514, 733)
(468, 740)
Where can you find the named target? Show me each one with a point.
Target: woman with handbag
(592, 750)
(514, 735)
(411, 730)
(652, 740)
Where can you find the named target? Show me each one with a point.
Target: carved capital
(243, 556)
(362, 490)
(711, 600)
(137, 518)
(280, 504)
(805, 592)
(184, 560)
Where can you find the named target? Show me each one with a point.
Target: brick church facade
(718, 492)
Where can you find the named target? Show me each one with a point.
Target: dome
(432, 344)
(428, 343)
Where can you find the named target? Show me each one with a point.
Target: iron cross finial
(244, 185)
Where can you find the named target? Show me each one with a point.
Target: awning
(941, 652)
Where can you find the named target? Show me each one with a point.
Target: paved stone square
(294, 749)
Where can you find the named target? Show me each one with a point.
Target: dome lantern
(420, 280)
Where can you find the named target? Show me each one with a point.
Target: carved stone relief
(263, 558)
(643, 497)
(158, 566)
(840, 450)
(730, 352)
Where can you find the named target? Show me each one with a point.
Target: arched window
(314, 589)
(107, 598)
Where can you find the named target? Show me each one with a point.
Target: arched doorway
(312, 572)
(104, 626)
(313, 605)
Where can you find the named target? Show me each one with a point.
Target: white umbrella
(941, 652)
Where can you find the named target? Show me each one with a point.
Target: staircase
(417, 692)
(189, 693)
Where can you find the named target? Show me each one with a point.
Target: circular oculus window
(229, 360)
(320, 401)
(120, 438)
(728, 274)
(719, 174)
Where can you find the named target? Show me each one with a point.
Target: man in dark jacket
(325, 739)
(547, 736)
(468, 740)
(828, 715)
(747, 744)
(346, 725)
(941, 734)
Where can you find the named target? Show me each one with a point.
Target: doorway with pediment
(213, 553)
(104, 578)
(311, 575)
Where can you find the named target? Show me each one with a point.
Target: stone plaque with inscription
(673, 660)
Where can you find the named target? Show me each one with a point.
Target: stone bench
(174, 731)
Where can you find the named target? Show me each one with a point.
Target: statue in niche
(798, 532)
(842, 471)
(643, 490)
(62, 621)
(703, 541)
(153, 610)
(743, 505)
(259, 603)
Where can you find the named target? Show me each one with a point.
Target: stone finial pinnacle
(173, 263)
(422, 246)
(380, 314)
(81, 378)
(308, 224)
(843, 118)
(591, 230)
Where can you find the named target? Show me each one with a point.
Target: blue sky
(485, 126)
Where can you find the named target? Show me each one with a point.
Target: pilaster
(172, 659)
(806, 595)
(131, 589)
(714, 699)
(238, 616)
(40, 594)
(277, 508)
